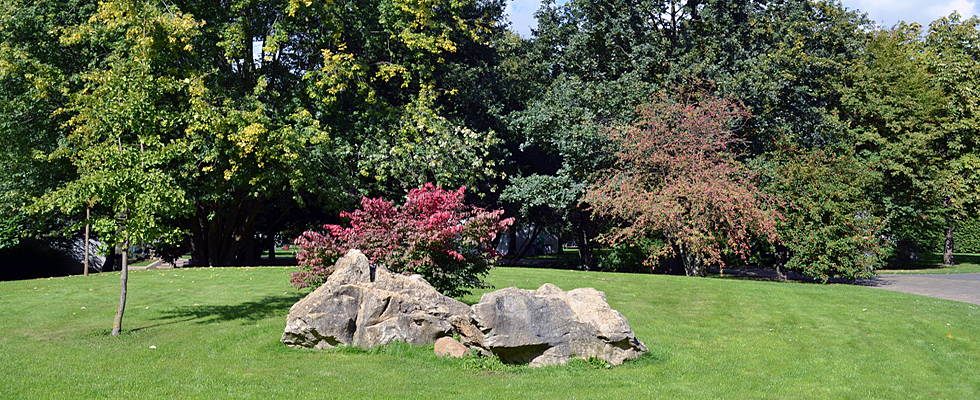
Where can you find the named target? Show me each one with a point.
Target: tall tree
(36, 73)
(780, 59)
(830, 228)
(909, 107)
(953, 63)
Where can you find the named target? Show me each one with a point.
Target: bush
(966, 237)
(632, 257)
(433, 234)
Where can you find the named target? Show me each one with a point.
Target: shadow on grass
(935, 261)
(248, 312)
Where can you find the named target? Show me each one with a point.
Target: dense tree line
(215, 127)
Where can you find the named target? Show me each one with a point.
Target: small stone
(449, 347)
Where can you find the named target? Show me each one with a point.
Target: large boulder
(550, 326)
(366, 305)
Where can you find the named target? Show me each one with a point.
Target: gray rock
(550, 326)
(366, 305)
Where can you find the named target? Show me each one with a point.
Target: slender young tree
(115, 129)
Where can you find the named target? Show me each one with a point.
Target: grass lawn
(143, 263)
(282, 253)
(216, 335)
(933, 264)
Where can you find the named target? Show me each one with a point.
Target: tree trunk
(117, 324)
(512, 240)
(527, 246)
(782, 258)
(223, 234)
(87, 216)
(692, 265)
(110, 260)
(948, 247)
(272, 246)
(950, 227)
(584, 248)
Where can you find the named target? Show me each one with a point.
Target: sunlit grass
(214, 333)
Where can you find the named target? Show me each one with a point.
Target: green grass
(216, 333)
(933, 264)
(144, 263)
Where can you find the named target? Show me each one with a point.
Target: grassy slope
(709, 338)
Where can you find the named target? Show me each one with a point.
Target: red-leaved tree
(677, 175)
(433, 234)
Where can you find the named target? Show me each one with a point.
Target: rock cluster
(366, 305)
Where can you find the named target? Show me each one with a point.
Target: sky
(883, 12)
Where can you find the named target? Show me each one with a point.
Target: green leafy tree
(908, 105)
(115, 128)
(953, 63)
(547, 202)
(830, 228)
(36, 72)
(782, 60)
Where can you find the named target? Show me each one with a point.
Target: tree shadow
(248, 312)
(934, 261)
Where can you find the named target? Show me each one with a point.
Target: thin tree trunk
(950, 227)
(117, 324)
(272, 246)
(512, 240)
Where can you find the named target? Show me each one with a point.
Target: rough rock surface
(550, 326)
(367, 305)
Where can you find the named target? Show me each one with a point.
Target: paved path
(159, 264)
(957, 287)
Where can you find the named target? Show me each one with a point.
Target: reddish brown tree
(677, 175)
